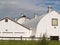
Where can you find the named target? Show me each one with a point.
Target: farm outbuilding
(10, 28)
(49, 25)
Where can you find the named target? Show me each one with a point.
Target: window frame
(53, 22)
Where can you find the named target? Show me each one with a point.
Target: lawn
(31, 42)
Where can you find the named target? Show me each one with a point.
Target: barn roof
(14, 21)
(34, 22)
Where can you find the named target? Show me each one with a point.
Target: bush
(43, 41)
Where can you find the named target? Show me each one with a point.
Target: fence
(21, 38)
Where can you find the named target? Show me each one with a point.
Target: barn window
(7, 32)
(19, 32)
(54, 37)
(54, 22)
(6, 20)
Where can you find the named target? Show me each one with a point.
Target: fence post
(21, 37)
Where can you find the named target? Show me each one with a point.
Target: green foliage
(18, 42)
(42, 41)
(54, 42)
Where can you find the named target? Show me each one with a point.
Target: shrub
(43, 41)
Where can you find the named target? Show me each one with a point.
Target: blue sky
(13, 8)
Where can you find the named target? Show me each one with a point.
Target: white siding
(11, 26)
(45, 25)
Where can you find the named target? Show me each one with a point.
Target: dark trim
(14, 21)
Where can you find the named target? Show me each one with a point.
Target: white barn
(10, 28)
(49, 25)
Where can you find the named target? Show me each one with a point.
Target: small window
(54, 22)
(7, 32)
(19, 32)
(6, 20)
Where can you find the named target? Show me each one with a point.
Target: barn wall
(12, 29)
(45, 25)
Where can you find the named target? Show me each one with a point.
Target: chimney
(35, 15)
(49, 9)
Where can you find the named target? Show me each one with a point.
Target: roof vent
(35, 15)
(22, 15)
(49, 9)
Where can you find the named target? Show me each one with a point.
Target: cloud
(57, 2)
(21, 4)
(13, 7)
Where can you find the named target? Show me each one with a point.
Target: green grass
(54, 42)
(17, 42)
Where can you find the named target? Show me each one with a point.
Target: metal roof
(33, 22)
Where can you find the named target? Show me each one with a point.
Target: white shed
(49, 25)
(10, 28)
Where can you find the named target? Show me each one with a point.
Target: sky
(14, 8)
